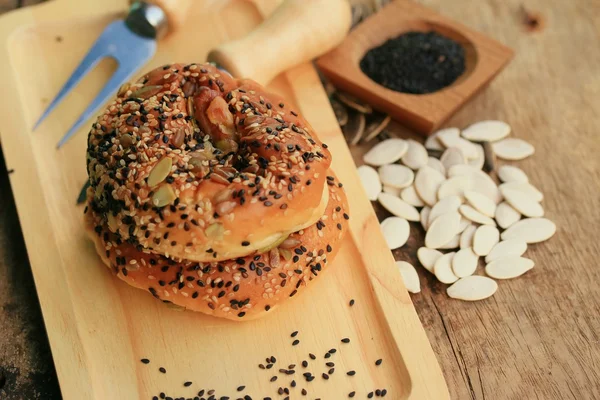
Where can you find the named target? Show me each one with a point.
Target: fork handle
(296, 32)
(176, 11)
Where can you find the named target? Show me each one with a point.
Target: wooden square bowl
(485, 57)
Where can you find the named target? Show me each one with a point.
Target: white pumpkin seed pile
(463, 209)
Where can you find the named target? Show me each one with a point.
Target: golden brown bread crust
(237, 289)
(193, 164)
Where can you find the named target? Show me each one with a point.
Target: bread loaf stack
(211, 193)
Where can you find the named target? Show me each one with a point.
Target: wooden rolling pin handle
(296, 32)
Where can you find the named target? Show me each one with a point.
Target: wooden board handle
(296, 32)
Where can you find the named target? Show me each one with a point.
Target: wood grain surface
(537, 338)
(85, 308)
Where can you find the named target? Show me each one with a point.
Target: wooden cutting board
(99, 328)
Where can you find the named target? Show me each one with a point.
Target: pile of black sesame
(415, 62)
(285, 390)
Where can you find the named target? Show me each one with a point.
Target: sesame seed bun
(238, 289)
(190, 163)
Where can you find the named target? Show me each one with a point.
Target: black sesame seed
(293, 383)
(294, 334)
(351, 373)
(331, 371)
(273, 359)
(240, 388)
(145, 360)
(161, 369)
(187, 384)
(332, 351)
(378, 362)
(245, 243)
(378, 392)
(304, 392)
(351, 394)
(383, 392)
(345, 340)
(273, 378)
(305, 363)
(295, 342)
(351, 302)
(325, 376)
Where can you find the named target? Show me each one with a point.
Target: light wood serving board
(99, 328)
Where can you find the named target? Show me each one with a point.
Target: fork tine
(98, 51)
(122, 74)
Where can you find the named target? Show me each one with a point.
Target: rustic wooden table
(538, 337)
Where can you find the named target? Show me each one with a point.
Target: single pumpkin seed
(427, 183)
(354, 103)
(481, 203)
(398, 207)
(466, 237)
(146, 92)
(506, 248)
(510, 173)
(161, 170)
(289, 243)
(442, 268)
(506, 215)
(396, 231)
(485, 238)
(215, 231)
(427, 257)
(223, 195)
(508, 267)
(387, 152)
(513, 149)
(486, 131)
(527, 188)
(473, 215)
(424, 217)
(376, 126)
(442, 230)
(416, 156)
(355, 128)
(273, 245)
(225, 207)
(396, 175)
(472, 288)
(370, 181)
(465, 262)
(409, 276)
(163, 196)
(409, 195)
(530, 230)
